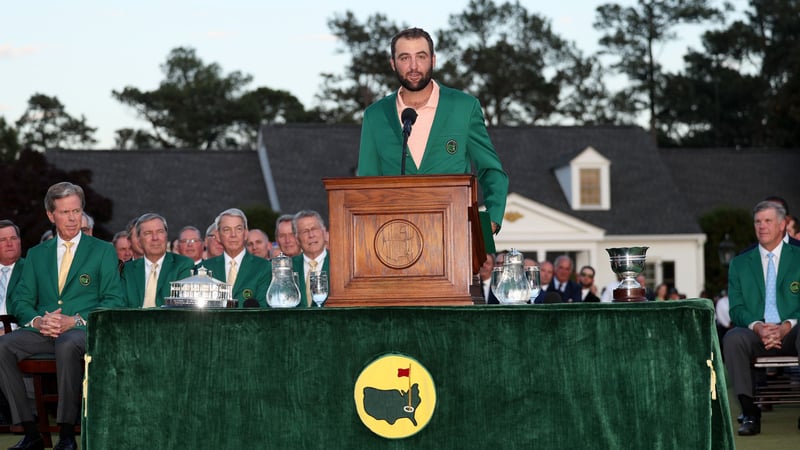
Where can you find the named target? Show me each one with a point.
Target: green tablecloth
(569, 376)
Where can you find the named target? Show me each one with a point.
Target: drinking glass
(497, 272)
(532, 272)
(319, 287)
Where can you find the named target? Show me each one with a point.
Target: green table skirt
(568, 376)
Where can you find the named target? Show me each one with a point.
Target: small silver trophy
(628, 262)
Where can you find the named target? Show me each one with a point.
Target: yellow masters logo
(395, 396)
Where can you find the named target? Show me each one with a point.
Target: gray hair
(562, 258)
(61, 190)
(119, 235)
(235, 212)
(283, 218)
(302, 215)
(148, 217)
(768, 204)
(132, 225)
(46, 236)
(190, 228)
(89, 221)
(211, 229)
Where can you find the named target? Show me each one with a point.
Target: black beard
(423, 83)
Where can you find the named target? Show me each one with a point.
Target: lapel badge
(451, 147)
(795, 287)
(85, 279)
(247, 294)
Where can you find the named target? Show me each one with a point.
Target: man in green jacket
(157, 266)
(764, 296)
(63, 280)
(251, 275)
(309, 228)
(449, 133)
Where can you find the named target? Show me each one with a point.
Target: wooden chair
(42, 369)
(780, 389)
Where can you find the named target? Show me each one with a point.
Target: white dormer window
(590, 190)
(586, 182)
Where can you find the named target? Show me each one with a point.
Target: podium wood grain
(402, 240)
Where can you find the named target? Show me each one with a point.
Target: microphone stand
(405, 146)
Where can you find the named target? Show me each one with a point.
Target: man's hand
(54, 323)
(770, 334)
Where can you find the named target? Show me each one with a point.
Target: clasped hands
(771, 334)
(54, 323)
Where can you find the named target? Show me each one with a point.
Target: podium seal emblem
(398, 244)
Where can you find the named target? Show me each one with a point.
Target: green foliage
(9, 142)
(519, 69)
(46, 124)
(197, 106)
(631, 33)
(508, 58)
(368, 76)
(738, 225)
(747, 80)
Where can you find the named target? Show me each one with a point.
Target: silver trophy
(628, 262)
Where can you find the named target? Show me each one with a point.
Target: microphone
(552, 297)
(408, 117)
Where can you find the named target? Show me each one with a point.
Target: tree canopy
(740, 88)
(197, 106)
(46, 124)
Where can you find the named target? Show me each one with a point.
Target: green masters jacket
(92, 282)
(174, 267)
(746, 289)
(457, 141)
(13, 280)
(252, 278)
(297, 267)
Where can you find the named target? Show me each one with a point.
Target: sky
(82, 50)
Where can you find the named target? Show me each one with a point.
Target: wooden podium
(403, 240)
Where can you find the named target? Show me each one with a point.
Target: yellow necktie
(232, 273)
(150, 289)
(66, 262)
(312, 267)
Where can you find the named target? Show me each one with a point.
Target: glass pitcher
(283, 291)
(513, 287)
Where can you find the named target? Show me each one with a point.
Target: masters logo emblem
(395, 396)
(85, 279)
(795, 287)
(247, 294)
(451, 146)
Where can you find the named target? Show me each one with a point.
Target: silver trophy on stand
(628, 262)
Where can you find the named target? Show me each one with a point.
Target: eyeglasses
(587, 275)
(189, 241)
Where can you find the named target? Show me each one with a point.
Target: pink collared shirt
(418, 139)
